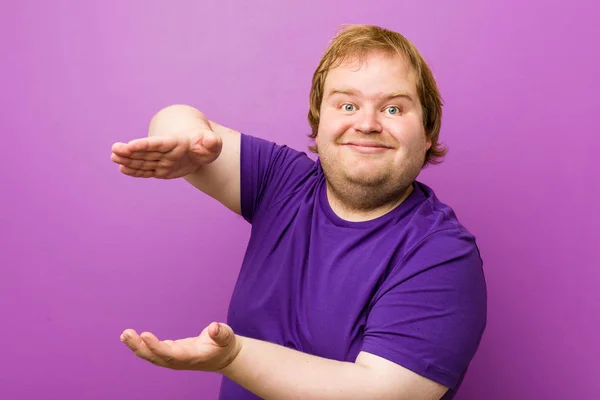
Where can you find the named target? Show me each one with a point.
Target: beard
(371, 189)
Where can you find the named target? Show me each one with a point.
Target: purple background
(86, 252)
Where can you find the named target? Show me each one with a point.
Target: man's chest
(310, 287)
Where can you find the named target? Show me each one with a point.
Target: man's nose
(368, 122)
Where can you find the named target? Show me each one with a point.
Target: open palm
(214, 349)
(167, 157)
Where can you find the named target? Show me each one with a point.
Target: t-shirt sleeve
(269, 172)
(430, 313)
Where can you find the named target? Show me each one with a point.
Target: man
(358, 283)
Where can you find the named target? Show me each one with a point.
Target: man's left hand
(214, 349)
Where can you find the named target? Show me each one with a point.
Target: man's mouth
(367, 147)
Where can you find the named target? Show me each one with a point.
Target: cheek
(409, 133)
(412, 143)
(331, 127)
(336, 125)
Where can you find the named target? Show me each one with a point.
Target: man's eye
(348, 107)
(393, 110)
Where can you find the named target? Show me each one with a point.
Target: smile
(367, 148)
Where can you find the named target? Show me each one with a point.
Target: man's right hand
(168, 156)
(183, 143)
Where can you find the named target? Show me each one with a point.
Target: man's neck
(346, 212)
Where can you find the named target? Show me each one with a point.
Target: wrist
(231, 361)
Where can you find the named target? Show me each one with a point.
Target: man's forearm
(276, 372)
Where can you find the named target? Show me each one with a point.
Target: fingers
(140, 163)
(146, 165)
(140, 348)
(166, 157)
(147, 155)
(120, 149)
(161, 349)
(161, 144)
(141, 168)
(137, 173)
(148, 148)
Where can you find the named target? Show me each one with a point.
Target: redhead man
(358, 282)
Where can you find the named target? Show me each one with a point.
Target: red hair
(356, 42)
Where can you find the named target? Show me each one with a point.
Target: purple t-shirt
(407, 286)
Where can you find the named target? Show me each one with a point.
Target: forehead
(375, 72)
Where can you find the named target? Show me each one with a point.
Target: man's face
(371, 131)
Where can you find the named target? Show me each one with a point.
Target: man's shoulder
(433, 227)
(271, 173)
(278, 155)
(436, 216)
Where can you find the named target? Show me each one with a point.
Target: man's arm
(276, 372)
(219, 179)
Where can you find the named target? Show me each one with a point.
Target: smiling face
(371, 140)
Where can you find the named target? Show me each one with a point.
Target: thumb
(211, 141)
(222, 334)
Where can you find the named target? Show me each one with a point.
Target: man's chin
(364, 178)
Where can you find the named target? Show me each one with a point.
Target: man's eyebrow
(394, 95)
(386, 96)
(347, 92)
